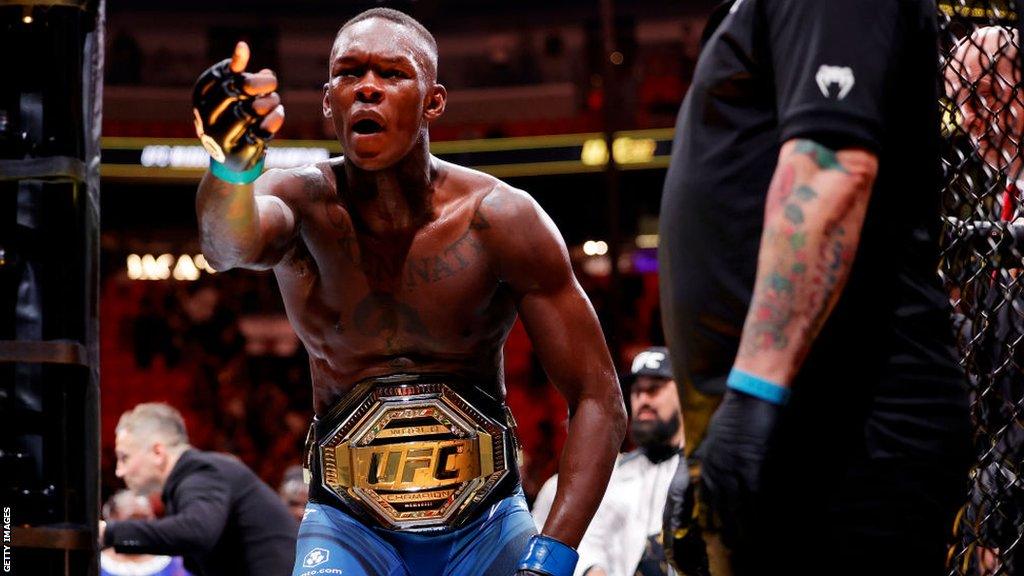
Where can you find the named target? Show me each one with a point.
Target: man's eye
(393, 74)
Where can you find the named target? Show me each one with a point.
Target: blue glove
(547, 557)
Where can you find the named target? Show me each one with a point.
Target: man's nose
(119, 471)
(369, 90)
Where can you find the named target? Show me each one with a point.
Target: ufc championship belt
(415, 452)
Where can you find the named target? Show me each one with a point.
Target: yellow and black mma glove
(228, 126)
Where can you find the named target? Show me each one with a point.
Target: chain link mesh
(983, 243)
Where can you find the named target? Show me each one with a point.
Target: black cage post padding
(50, 104)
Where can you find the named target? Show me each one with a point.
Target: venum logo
(841, 76)
(315, 557)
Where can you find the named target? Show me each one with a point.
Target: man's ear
(436, 101)
(327, 103)
(158, 449)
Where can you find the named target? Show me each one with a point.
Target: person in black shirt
(799, 234)
(218, 514)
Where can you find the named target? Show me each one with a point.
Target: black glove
(734, 451)
(225, 121)
(680, 531)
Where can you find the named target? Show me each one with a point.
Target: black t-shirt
(843, 73)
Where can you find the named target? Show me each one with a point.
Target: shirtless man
(402, 275)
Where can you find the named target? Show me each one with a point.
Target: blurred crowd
(184, 344)
(487, 69)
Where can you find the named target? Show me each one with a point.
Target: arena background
(538, 94)
(526, 90)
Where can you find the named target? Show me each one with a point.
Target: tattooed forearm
(813, 217)
(824, 158)
(774, 304)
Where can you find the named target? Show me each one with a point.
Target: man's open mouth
(367, 126)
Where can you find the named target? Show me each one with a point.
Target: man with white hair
(219, 516)
(982, 81)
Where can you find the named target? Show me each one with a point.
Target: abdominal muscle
(342, 352)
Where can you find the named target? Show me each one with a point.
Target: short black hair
(397, 17)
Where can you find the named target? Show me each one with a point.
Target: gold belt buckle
(415, 456)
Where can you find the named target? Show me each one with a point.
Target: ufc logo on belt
(386, 464)
(416, 465)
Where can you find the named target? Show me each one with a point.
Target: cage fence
(982, 265)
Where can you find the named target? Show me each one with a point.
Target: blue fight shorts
(332, 542)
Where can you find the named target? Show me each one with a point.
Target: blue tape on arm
(548, 556)
(224, 173)
(757, 387)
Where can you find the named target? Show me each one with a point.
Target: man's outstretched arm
(243, 225)
(241, 222)
(203, 503)
(532, 259)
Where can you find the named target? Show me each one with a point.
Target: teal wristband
(741, 381)
(228, 175)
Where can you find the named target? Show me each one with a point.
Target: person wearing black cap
(622, 539)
